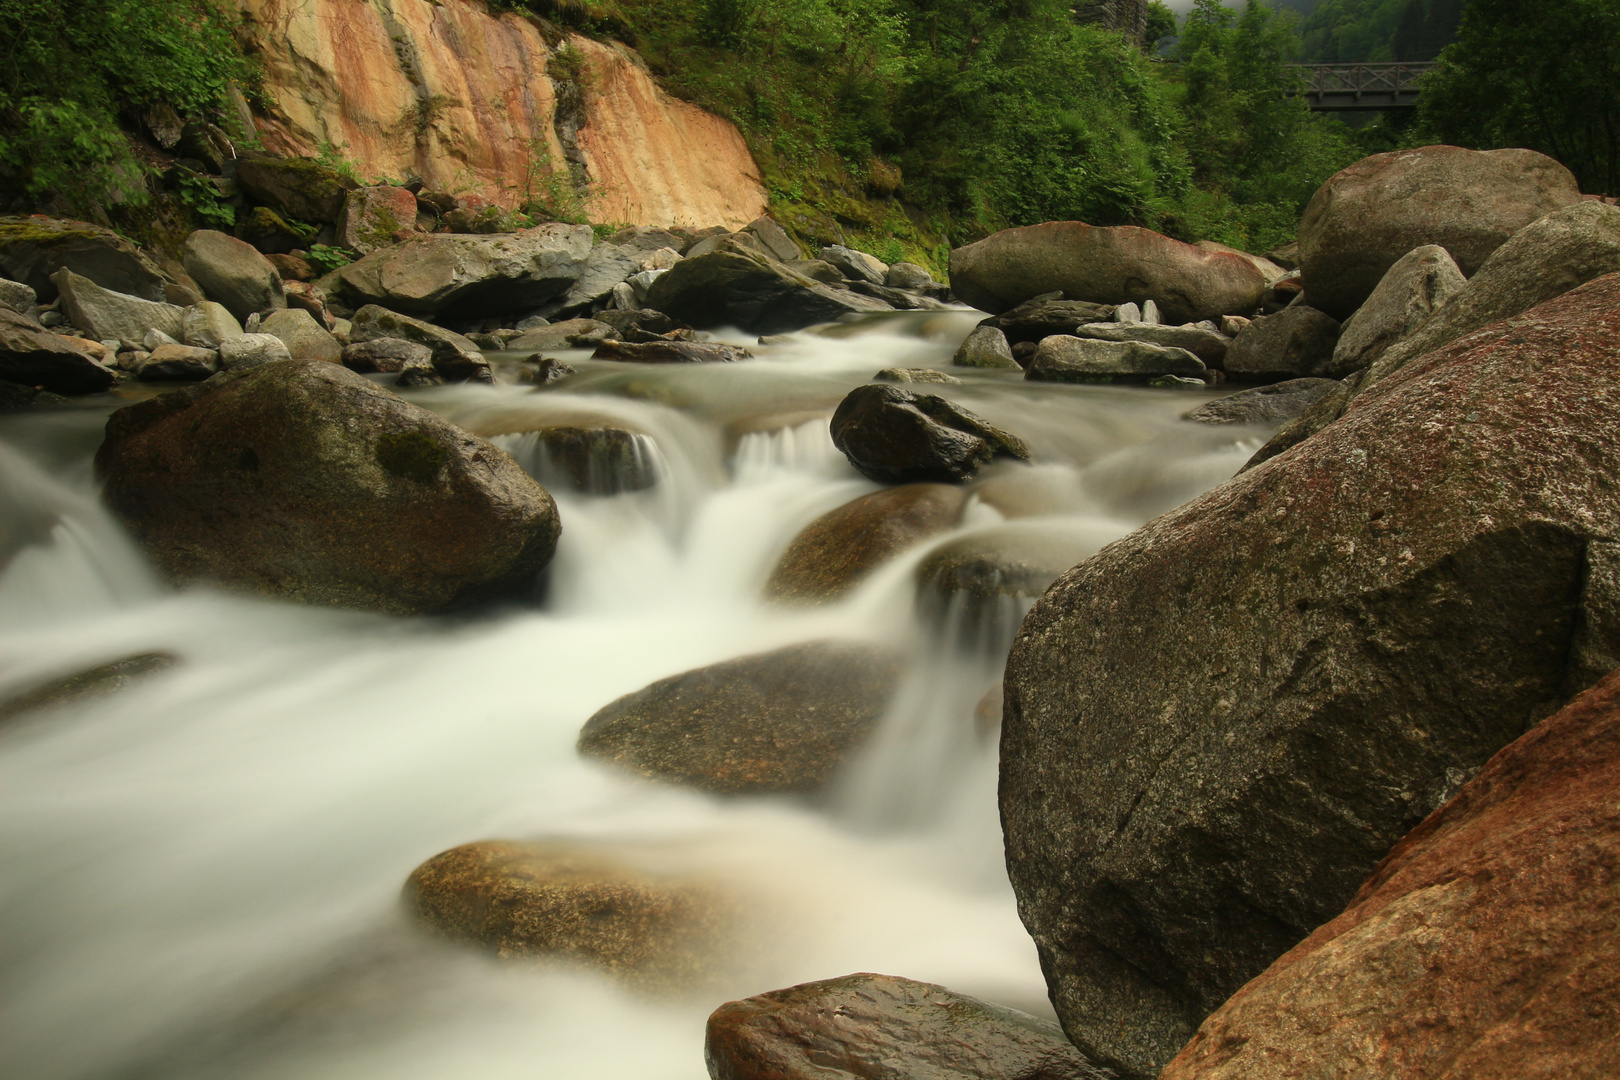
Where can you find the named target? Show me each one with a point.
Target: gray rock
(1296, 342)
(596, 460)
(416, 373)
(1318, 652)
(305, 338)
(1273, 404)
(154, 338)
(548, 370)
(474, 275)
(234, 273)
(385, 354)
(670, 352)
(34, 248)
(910, 276)
(101, 314)
(569, 334)
(1104, 265)
(642, 284)
(782, 721)
(18, 297)
(454, 356)
(32, 356)
(604, 268)
(815, 270)
(1127, 313)
(985, 347)
(305, 481)
(177, 363)
(1150, 313)
(250, 351)
(1042, 317)
(1207, 345)
(738, 287)
(777, 243)
(208, 325)
(915, 375)
(1365, 218)
(300, 188)
(882, 1026)
(624, 296)
(898, 436)
(1061, 358)
(1419, 284)
(855, 265)
(646, 239)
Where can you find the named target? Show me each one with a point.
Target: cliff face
(1126, 16)
(462, 99)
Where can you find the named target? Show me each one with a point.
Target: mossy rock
(301, 188)
(34, 248)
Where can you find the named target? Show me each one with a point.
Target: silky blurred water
(200, 874)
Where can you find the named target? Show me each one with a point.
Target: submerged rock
(898, 436)
(1319, 650)
(598, 460)
(882, 1027)
(1366, 217)
(916, 375)
(99, 681)
(781, 721)
(1104, 265)
(528, 900)
(1482, 946)
(835, 552)
(305, 481)
(670, 352)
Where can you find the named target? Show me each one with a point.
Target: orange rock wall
(461, 98)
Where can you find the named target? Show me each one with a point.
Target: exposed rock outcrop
(302, 480)
(459, 97)
(882, 1027)
(1469, 202)
(1482, 946)
(1273, 404)
(1104, 265)
(1216, 727)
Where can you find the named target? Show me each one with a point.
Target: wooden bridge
(1343, 87)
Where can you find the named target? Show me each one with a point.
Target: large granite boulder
(898, 436)
(1104, 265)
(565, 902)
(835, 552)
(882, 1027)
(34, 248)
(305, 338)
(303, 480)
(208, 325)
(471, 276)
(1294, 343)
(1469, 202)
(782, 721)
(1420, 283)
(301, 188)
(1216, 727)
(32, 356)
(234, 273)
(736, 286)
(372, 216)
(455, 357)
(1483, 946)
(1061, 358)
(103, 315)
(605, 267)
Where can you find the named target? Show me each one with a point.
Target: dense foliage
(1535, 74)
(70, 71)
(1379, 31)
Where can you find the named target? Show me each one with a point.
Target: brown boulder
(34, 248)
(31, 355)
(1467, 201)
(303, 480)
(882, 1027)
(300, 188)
(780, 721)
(1484, 946)
(835, 552)
(670, 352)
(559, 901)
(898, 436)
(1216, 727)
(1296, 343)
(372, 215)
(1105, 265)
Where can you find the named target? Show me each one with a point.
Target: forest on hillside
(915, 124)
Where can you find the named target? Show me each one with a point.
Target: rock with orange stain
(460, 98)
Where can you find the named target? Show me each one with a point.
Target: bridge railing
(1362, 86)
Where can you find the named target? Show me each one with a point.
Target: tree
(1536, 74)
(1161, 22)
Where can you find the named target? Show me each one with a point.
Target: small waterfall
(805, 448)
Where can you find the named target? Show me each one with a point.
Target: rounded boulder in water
(305, 481)
(897, 436)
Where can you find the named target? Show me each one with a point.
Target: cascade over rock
(1217, 726)
(459, 98)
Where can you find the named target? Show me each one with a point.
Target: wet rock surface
(736, 286)
(1044, 316)
(1104, 265)
(99, 681)
(1366, 217)
(565, 902)
(882, 1027)
(1482, 946)
(835, 552)
(1273, 404)
(455, 357)
(898, 436)
(1208, 345)
(775, 722)
(1319, 651)
(1061, 358)
(670, 352)
(305, 481)
(985, 347)
(598, 460)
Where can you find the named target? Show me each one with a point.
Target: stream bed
(200, 874)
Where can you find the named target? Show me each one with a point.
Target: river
(200, 874)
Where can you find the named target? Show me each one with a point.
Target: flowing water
(201, 872)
